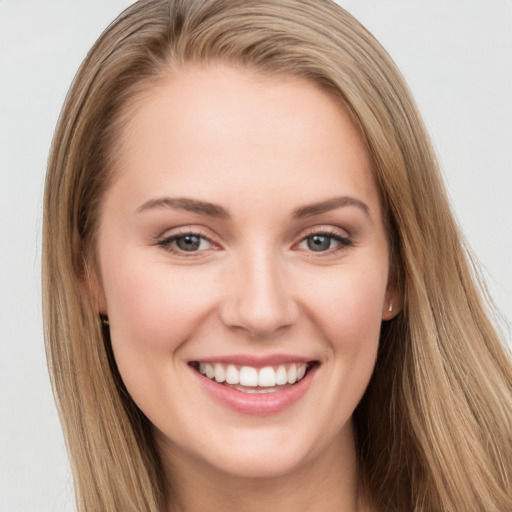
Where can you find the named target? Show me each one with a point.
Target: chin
(269, 453)
(258, 464)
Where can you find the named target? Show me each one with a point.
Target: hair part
(434, 427)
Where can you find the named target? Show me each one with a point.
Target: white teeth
(267, 377)
(232, 375)
(248, 376)
(292, 374)
(220, 373)
(210, 372)
(281, 376)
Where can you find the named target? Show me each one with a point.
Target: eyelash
(167, 242)
(343, 241)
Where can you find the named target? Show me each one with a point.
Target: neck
(327, 482)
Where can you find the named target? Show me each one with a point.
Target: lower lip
(261, 404)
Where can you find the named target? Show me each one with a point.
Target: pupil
(188, 243)
(319, 242)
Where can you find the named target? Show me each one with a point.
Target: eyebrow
(328, 205)
(217, 211)
(189, 205)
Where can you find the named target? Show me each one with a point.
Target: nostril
(259, 320)
(258, 298)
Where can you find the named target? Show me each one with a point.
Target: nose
(258, 297)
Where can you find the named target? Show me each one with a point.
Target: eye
(186, 243)
(190, 243)
(324, 242)
(319, 243)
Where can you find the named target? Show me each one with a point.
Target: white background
(457, 57)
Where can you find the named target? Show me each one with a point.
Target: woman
(256, 296)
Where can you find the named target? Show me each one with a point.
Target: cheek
(153, 308)
(348, 310)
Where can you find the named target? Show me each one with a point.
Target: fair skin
(244, 228)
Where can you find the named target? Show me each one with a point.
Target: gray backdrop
(457, 57)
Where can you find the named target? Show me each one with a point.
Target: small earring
(104, 320)
(390, 309)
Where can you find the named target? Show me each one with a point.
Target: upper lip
(256, 361)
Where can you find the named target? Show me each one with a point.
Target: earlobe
(389, 310)
(393, 298)
(392, 306)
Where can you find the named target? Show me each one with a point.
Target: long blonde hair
(434, 428)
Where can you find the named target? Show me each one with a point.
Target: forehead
(222, 128)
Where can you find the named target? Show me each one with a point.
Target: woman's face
(242, 238)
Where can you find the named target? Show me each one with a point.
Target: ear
(393, 301)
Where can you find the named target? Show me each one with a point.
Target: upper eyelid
(325, 230)
(176, 232)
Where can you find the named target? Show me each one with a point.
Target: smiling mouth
(249, 379)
